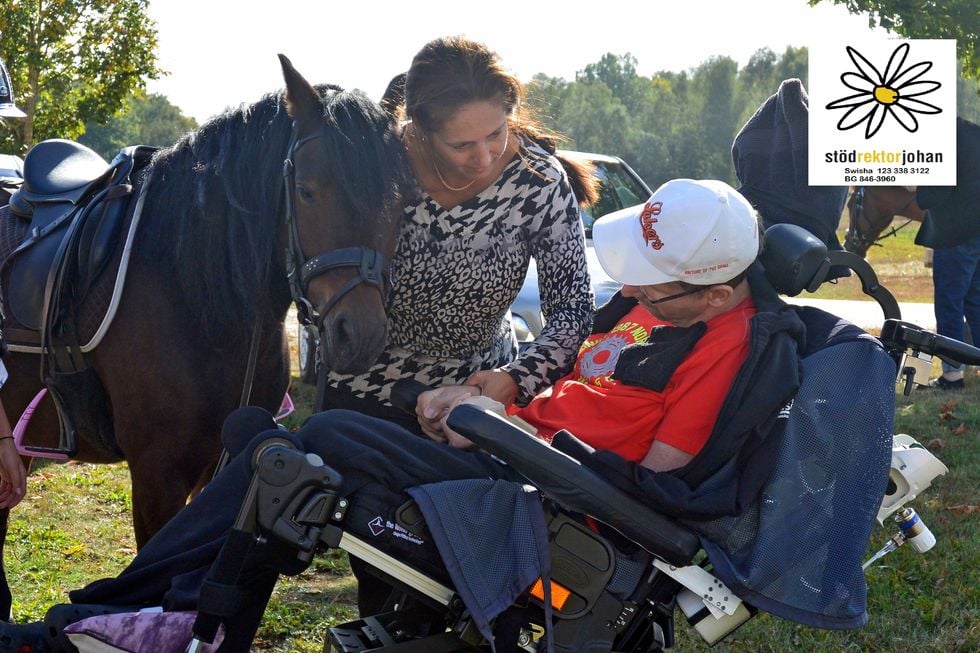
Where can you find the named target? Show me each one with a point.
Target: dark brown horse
(871, 210)
(224, 246)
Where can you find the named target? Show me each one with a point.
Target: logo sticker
(379, 525)
(883, 113)
(647, 220)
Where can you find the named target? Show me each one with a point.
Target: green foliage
(73, 62)
(143, 120)
(668, 125)
(926, 19)
(675, 124)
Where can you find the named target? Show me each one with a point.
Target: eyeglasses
(668, 298)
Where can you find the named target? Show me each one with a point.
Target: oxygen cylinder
(914, 531)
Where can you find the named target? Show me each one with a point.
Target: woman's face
(471, 141)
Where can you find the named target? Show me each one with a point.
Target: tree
(545, 96)
(144, 120)
(594, 118)
(926, 19)
(616, 72)
(714, 81)
(74, 62)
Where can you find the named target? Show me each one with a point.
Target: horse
(296, 197)
(872, 208)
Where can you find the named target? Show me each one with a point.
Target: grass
(74, 528)
(916, 602)
(899, 264)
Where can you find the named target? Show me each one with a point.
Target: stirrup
(67, 435)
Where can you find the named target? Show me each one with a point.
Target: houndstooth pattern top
(456, 272)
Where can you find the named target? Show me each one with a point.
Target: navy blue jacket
(953, 216)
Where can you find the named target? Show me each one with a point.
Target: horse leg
(163, 469)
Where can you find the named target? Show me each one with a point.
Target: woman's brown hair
(450, 72)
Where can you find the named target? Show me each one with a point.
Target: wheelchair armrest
(575, 486)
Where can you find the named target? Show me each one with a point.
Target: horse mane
(216, 201)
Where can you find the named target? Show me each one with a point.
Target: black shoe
(942, 383)
(24, 638)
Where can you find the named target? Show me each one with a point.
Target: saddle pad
(90, 315)
(13, 231)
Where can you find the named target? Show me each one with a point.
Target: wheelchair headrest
(794, 259)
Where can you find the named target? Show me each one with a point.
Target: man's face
(671, 302)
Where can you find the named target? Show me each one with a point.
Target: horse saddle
(75, 204)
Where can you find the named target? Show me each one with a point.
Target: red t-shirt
(627, 419)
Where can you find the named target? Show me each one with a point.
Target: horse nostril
(343, 332)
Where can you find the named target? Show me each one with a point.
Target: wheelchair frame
(293, 497)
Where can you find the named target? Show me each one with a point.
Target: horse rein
(372, 267)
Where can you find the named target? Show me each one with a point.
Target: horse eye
(304, 194)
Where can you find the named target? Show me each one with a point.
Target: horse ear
(302, 100)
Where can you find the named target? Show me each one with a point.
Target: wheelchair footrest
(399, 631)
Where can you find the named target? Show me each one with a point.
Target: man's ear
(719, 294)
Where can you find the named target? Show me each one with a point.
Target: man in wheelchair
(680, 404)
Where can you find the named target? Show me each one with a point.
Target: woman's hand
(496, 384)
(433, 408)
(13, 476)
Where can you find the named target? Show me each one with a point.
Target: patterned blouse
(456, 272)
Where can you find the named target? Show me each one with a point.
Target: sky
(220, 53)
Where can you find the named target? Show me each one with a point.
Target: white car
(620, 187)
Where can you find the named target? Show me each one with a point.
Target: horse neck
(222, 245)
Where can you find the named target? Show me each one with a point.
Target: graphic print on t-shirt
(599, 353)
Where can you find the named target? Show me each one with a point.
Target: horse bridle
(865, 242)
(372, 270)
(372, 267)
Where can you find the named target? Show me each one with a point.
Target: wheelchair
(620, 571)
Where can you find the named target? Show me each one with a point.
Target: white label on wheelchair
(715, 594)
(918, 364)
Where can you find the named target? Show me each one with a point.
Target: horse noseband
(372, 269)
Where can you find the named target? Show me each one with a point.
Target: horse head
(346, 178)
(871, 209)
(860, 232)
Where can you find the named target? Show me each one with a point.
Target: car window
(618, 190)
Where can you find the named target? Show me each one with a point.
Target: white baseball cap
(700, 231)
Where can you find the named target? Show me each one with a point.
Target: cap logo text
(650, 236)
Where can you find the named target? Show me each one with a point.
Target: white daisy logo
(880, 95)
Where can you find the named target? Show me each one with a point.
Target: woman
(13, 474)
(492, 196)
